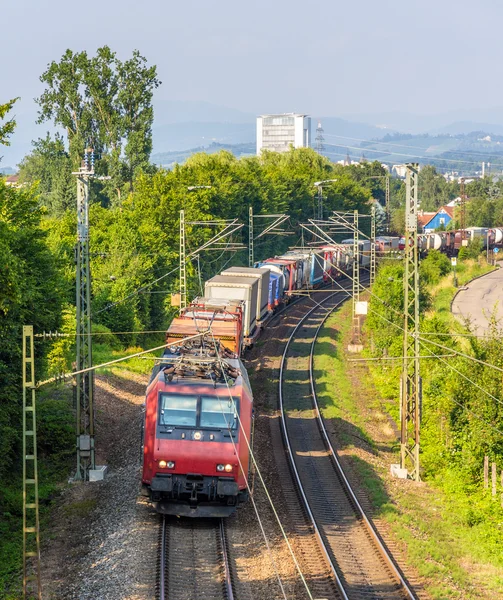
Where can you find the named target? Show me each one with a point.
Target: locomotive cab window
(178, 410)
(218, 413)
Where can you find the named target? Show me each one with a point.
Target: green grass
(103, 353)
(452, 535)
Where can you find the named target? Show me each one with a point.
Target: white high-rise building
(279, 132)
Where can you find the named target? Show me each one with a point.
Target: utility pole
(372, 244)
(270, 228)
(31, 524)
(319, 186)
(183, 264)
(462, 212)
(320, 202)
(410, 406)
(250, 238)
(85, 381)
(356, 335)
(388, 207)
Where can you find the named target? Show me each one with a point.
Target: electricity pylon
(410, 401)
(85, 381)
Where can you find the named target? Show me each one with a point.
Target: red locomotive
(197, 430)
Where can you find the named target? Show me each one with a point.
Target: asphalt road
(480, 299)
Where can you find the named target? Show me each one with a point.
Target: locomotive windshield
(198, 411)
(218, 413)
(179, 410)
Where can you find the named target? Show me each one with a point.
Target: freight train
(199, 404)
(449, 242)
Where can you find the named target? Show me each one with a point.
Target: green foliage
(105, 104)
(434, 191)
(385, 320)
(49, 166)
(55, 429)
(135, 244)
(8, 127)
(434, 266)
(29, 294)
(472, 251)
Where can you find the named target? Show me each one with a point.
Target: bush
(55, 429)
(434, 266)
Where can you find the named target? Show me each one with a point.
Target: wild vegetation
(105, 104)
(462, 399)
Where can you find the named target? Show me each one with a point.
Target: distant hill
(453, 122)
(7, 171)
(168, 159)
(461, 153)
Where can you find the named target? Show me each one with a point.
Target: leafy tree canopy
(105, 104)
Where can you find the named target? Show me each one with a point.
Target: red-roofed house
(444, 215)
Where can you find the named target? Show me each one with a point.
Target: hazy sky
(322, 57)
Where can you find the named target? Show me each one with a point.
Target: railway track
(360, 564)
(194, 560)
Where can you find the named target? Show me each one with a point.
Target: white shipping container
(236, 288)
(263, 276)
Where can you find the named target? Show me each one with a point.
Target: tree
(8, 127)
(50, 166)
(29, 294)
(434, 191)
(105, 104)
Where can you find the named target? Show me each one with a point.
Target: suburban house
(428, 222)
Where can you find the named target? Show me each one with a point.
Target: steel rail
(335, 459)
(290, 453)
(227, 587)
(227, 570)
(162, 560)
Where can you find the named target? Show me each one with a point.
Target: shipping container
(289, 269)
(263, 276)
(227, 332)
(210, 311)
(276, 284)
(237, 288)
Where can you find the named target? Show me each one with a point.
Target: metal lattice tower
(388, 207)
(462, 212)
(271, 227)
(410, 406)
(31, 524)
(183, 264)
(373, 245)
(319, 139)
(250, 238)
(85, 381)
(356, 281)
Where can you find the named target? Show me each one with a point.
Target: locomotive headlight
(228, 468)
(198, 435)
(220, 468)
(171, 464)
(162, 464)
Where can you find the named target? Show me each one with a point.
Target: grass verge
(441, 533)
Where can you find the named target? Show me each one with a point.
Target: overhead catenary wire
(259, 473)
(451, 367)
(423, 341)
